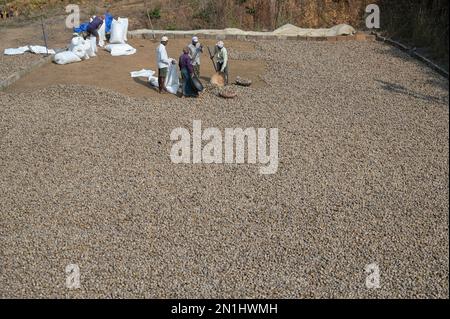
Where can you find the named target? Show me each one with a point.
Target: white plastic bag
(93, 47)
(90, 47)
(80, 51)
(172, 79)
(154, 81)
(76, 41)
(38, 49)
(102, 35)
(18, 51)
(117, 36)
(120, 49)
(344, 29)
(81, 48)
(143, 73)
(124, 23)
(66, 57)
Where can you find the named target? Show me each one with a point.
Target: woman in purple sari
(187, 72)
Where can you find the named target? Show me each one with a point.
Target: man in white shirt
(163, 61)
(195, 51)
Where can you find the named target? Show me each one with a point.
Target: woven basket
(243, 82)
(227, 94)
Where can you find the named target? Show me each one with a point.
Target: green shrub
(155, 14)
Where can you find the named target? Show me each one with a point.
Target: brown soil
(106, 71)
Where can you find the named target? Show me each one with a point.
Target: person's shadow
(145, 83)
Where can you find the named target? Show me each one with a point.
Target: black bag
(197, 84)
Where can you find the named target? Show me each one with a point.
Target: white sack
(143, 73)
(80, 51)
(117, 36)
(124, 23)
(38, 49)
(344, 29)
(75, 42)
(120, 49)
(17, 51)
(66, 57)
(102, 34)
(154, 81)
(172, 79)
(81, 48)
(93, 44)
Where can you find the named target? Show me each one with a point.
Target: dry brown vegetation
(422, 23)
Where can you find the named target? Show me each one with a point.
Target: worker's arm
(191, 52)
(225, 59)
(163, 57)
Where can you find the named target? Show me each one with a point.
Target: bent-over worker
(222, 59)
(94, 26)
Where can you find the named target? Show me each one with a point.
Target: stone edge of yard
(149, 34)
(14, 77)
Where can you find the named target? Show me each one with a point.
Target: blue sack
(108, 22)
(82, 28)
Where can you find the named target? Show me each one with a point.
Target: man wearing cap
(163, 61)
(195, 50)
(222, 59)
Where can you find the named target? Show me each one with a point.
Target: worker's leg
(86, 35)
(97, 36)
(226, 75)
(225, 71)
(160, 85)
(197, 70)
(162, 80)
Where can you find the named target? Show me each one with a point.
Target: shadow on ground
(400, 89)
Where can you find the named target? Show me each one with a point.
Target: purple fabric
(185, 62)
(95, 24)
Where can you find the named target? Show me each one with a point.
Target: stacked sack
(118, 39)
(84, 49)
(79, 50)
(119, 30)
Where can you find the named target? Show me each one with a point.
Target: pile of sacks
(79, 50)
(117, 42)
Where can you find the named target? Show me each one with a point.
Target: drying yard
(86, 179)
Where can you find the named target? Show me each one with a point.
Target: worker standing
(163, 61)
(222, 59)
(187, 73)
(195, 51)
